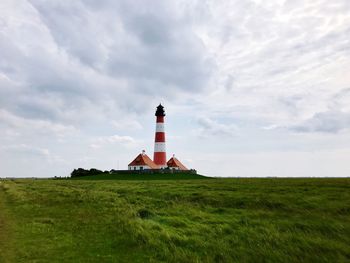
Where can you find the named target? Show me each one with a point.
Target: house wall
(138, 167)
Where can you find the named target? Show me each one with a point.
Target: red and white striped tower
(159, 157)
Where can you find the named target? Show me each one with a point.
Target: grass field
(208, 220)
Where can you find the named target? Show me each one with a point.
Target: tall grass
(213, 220)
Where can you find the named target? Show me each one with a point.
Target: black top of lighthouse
(160, 110)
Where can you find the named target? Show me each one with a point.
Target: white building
(142, 162)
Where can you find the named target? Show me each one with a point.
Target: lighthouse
(159, 157)
(143, 162)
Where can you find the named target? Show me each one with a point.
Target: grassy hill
(208, 220)
(145, 176)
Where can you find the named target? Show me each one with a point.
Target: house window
(134, 167)
(141, 167)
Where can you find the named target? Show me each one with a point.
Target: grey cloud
(144, 44)
(74, 29)
(167, 55)
(34, 127)
(150, 29)
(229, 82)
(209, 127)
(100, 56)
(106, 141)
(342, 93)
(341, 100)
(285, 46)
(327, 122)
(27, 149)
(290, 103)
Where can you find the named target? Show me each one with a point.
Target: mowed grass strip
(210, 220)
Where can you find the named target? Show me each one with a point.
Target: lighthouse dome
(160, 110)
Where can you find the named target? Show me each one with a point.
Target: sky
(251, 88)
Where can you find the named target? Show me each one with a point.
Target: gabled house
(175, 164)
(142, 162)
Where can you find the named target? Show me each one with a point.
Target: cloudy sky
(250, 87)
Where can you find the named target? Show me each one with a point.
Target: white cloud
(328, 122)
(330, 163)
(72, 73)
(275, 52)
(106, 141)
(34, 126)
(209, 128)
(127, 124)
(25, 149)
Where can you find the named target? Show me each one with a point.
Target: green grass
(209, 220)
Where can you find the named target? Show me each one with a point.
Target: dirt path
(5, 246)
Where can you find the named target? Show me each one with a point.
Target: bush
(82, 172)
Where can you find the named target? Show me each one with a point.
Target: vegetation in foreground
(210, 220)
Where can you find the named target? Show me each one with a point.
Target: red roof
(143, 159)
(173, 162)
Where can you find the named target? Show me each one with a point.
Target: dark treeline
(82, 172)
